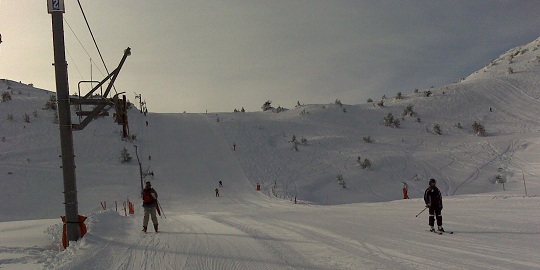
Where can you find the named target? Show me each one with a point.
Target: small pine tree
(381, 103)
(399, 95)
(390, 121)
(510, 71)
(124, 156)
(338, 102)
(418, 120)
(427, 93)
(369, 100)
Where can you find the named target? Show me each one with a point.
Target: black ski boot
(441, 229)
(432, 229)
(144, 229)
(156, 227)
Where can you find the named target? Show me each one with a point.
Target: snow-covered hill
(368, 226)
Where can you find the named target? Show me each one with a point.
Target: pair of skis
(441, 233)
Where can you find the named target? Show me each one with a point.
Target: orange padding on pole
(82, 227)
(131, 208)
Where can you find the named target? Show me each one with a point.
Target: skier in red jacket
(149, 196)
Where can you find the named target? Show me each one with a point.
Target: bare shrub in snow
(341, 181)
(267, 106)
(408, 111)
(437, 129)
(510, 71)
(52, 103)
(367, 139)
(369, 100)
(399, 95)
(381, 103)
(6, 96)
(366, 164)
(56, 120)
(478, 129)
(26, 118)
(338, 102)
(295, 143)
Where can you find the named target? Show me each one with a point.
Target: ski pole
(421, 212)
(161, 208)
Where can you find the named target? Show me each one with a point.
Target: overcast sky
(220, 55)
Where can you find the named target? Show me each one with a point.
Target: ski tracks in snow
(202, 242)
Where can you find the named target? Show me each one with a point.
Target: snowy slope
(364, 226)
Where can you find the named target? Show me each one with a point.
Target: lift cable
(83, 47)
(97, 47)
(74, 63)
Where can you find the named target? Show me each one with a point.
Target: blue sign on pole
(55, 6)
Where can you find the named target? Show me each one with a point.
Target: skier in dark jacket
(433, 200)
(149, 196)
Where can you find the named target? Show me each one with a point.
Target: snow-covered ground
(366, 225)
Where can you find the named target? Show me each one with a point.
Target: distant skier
(217, 192)
(405, 189)
(433, 200)
(220, 183)
(149, 196)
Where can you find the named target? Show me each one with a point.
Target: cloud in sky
(220, 55)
